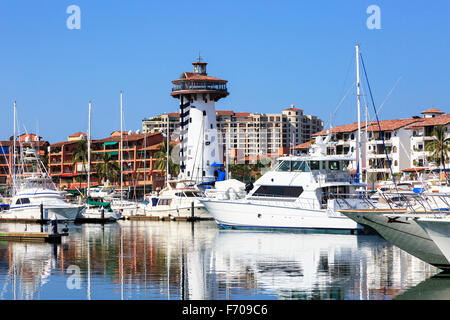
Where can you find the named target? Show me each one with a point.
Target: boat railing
(414, 202)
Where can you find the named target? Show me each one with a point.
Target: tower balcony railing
(199, 86)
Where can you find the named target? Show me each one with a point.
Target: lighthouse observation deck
(198, 82)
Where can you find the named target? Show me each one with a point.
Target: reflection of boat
(29, 264)
(298, 193)
(288, 263)
(434, 288)
(311, 266)
(175, 201)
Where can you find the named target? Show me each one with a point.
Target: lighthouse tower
(199, 147)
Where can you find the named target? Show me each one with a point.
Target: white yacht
(414, 225)
(438, 229)
(300, 192)
(33, 189)
(175, 201)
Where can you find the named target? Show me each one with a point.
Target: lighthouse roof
(195, 76)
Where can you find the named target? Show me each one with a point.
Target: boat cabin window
(334, 165)
(300, 166)
(23, 201)
(164, 202)
(284, 166)
(278, 191)
(314, 165)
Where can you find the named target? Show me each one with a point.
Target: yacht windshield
(284, 166)
(300, 166)
(278, 191)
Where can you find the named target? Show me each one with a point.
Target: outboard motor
(248, 187)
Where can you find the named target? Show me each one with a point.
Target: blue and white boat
(33, 188)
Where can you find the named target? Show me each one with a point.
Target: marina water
(182, 260)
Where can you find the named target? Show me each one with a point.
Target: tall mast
(14, 148)
(167, 153)
(358, 94)
(89, 152)
(121, 146)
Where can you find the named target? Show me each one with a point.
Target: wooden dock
(30, 236)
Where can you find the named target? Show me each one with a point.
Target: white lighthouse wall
(202, 141)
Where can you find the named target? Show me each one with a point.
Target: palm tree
(439, 146)
(161, 163)
(107, 169)
(80, 154)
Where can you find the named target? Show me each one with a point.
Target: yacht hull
(200, 212)
(33, 213)
(403, 231)
(246, 215)
(439, 232)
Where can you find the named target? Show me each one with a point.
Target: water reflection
(178, 260)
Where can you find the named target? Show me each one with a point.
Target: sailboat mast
(121, 146)
(358, 95)
(14, 148)
(89, 152)
(167, 153)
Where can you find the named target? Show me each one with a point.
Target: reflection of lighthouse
(199, 148)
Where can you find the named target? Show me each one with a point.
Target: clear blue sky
(273, 54)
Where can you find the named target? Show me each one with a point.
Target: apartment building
(392, 134)
(422, 135)
(138, 161)
(248, 137)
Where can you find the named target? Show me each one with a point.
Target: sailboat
(124, 207)
(95, 211)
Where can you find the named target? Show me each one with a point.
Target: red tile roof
(303, 146)
(196, 76)
(389, 125)
(386, 125)
(174, 114)
(293, 109)
(78, 134)
(341, 129)
(242, 114)
(224, 112)
(433, 110)
(441, 120)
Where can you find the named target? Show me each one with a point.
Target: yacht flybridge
(300, 192)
